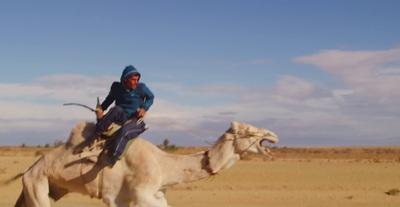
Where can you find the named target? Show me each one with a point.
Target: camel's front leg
(160, 195)
(36, 189)
(147, 197)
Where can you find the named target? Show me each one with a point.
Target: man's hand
(141, 113)
(99, 112)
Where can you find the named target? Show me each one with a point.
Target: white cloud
(295, 88)
(221, 89)
(38, 106)
(64, 87)
(369, 73)
(362, 107)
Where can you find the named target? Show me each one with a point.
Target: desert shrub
(246, 158)
(368, 151)
(166, 142)
(376, 160)
(342, 151)
(58, 143)
(393, 192)
(38, 153)
(172, 148)
(167, 147)
(385, 151)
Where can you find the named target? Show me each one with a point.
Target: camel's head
(250, 138)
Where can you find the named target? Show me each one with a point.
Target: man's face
(132, 82)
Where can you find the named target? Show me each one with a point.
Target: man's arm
(110, 97)
(148, 98)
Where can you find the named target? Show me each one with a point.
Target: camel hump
(80, 132)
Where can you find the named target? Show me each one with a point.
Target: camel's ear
(235, 127)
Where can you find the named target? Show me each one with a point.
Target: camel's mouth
(265, 150)
(270, 139)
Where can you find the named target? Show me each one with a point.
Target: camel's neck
(222, 155)
(194, 167)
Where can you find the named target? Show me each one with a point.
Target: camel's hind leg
(36, 189)
(21, 201)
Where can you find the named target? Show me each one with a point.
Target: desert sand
(293, 177)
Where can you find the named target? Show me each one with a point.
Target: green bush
(38, 153)
(166, 147)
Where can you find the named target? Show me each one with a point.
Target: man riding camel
(132, 101)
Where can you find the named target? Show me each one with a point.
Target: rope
(173, 125)
(205, 131)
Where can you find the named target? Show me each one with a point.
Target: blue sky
(317, 73)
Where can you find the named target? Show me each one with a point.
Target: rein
(207, 153)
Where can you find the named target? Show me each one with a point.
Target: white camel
(141, 176)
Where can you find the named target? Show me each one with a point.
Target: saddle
(102, 144)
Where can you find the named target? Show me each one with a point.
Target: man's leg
(115, 115)
(128, 131)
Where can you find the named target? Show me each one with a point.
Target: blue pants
(128, 131)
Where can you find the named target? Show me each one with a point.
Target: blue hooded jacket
(130, 100)
(128, 72)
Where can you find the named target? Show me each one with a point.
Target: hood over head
(128, 72)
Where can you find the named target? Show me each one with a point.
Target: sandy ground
(255, 183)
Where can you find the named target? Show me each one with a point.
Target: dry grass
(345, 176)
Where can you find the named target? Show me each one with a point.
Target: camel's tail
(20, 174)
(12, 179)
